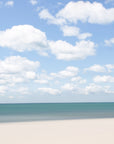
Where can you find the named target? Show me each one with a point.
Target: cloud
(94, 13)
(67, 30)
(16, 69)
(96, 68)
(99, 68)
(78, 80)
(43, 78)
(70, 71)
(104, 78)
(44, 14)
(3, 89)
(33, 2)
(74, 12)
(110, 67)
(9, 3)
(17, 64)
(49, 91)
(109, 42)
(93, 89)
(74, 31)
(23, 90)
(30, 75)
(70, 30)
(24, 38)
(68, 87)
(65, 51)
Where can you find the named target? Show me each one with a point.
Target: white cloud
(3, 89)
(104, 78)
(99, 68)
(70, 30)
(17, 64)
(23, 90)
(78, 80)
(65, 51)
(33, 2)
(67, 30)
(11, 97)
(93, 88)
(16, 69)
(94, 13)
(109, 42)
(9, 3)
(24, 38)
(41, 81)
(110, 67)
(30, 75)
(74, 31)
(84, 35)
(68, 87)
(70, 71)
(43, 78)
(44, 14)
(49, 91)
(96, 68)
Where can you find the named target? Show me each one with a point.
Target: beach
(80, 131)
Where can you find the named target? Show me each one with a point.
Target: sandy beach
(91, 131)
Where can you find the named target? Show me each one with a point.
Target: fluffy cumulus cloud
(93, 89)
(110, 67)
(94, 13)
(33, 2)
(68, 87)
(100, 68)
(65, 51)
(104, 78)
(3, 89)
(51, 91)
(74, 31)
(78, 80)
(44, 14)
(96, 68)
(109, 42)
(16, 69)
(22, 90)
(67, 30)
(43, 78)
(24, 38)
(9, 3)
(70, 71)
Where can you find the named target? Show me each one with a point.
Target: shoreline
(81, 131)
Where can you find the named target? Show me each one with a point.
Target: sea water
(54, 111)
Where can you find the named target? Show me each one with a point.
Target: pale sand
(93, 131)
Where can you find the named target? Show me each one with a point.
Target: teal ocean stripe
(54, 111)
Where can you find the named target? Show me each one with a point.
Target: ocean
(54, 111)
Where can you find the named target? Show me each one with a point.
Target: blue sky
(56, 51)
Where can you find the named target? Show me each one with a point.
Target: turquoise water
(54, 111)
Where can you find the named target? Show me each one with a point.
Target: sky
(56, 51)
